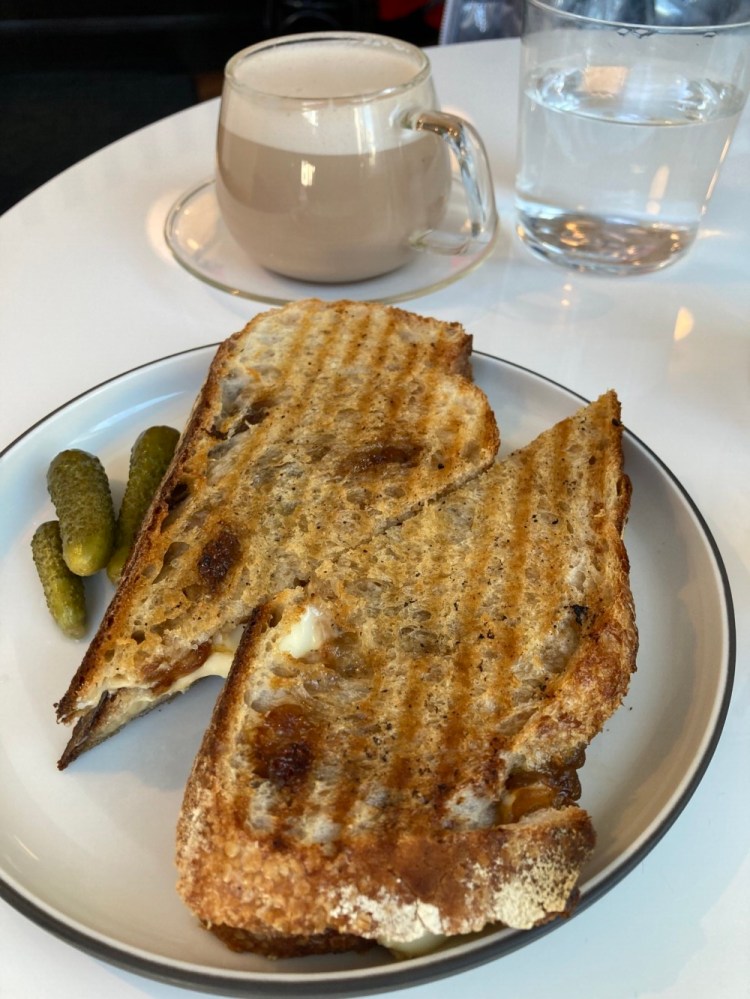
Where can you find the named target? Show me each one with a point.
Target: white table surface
(88, 289)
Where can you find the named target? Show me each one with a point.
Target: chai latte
(330, 187)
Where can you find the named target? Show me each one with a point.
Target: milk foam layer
(324, 71)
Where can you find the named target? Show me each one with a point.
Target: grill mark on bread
(414, 689)
(546, 492)
(555, 487)
(470, 663)
(380, 452)
(561, 491)
(363, 341)
(331, 353)
(541, 498)
(360, 749)
(370, 748)
(514, 593)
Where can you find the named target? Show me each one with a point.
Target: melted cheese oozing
(218, 662)
(306, 634)
(414, 948)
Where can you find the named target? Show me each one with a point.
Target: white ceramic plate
(88, 853)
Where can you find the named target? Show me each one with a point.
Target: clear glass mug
(333, 160)
(624, 125)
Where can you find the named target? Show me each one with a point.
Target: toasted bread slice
(396, 749)
(319, 425)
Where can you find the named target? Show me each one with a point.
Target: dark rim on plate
(416, 971)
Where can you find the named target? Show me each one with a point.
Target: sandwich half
(394, 755)
(318, 426)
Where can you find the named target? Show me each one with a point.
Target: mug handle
(466, 145)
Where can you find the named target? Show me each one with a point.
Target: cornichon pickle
(149, 459)
(63, 590)
(79, 489)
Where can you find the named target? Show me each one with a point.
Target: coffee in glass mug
(333, 162)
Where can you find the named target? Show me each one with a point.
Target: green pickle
(63, 590)
(79, 489)
(149, 459)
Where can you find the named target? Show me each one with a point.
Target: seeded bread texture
(319, 425)
(416, 768)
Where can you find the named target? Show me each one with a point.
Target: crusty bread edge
(601, 668)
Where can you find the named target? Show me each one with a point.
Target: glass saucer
(200, 242)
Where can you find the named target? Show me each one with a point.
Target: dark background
(77, 74)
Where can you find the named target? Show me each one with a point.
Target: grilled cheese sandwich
(396, 750)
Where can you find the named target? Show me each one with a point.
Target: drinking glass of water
(627, 112)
